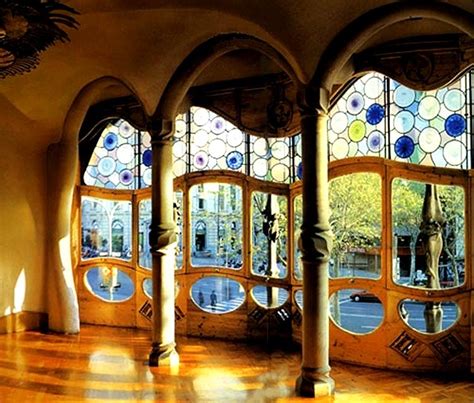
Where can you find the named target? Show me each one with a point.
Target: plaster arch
(206, 53)
(340, 50)
(63, 160)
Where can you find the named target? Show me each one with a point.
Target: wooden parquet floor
(109, 365)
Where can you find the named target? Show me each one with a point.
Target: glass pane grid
(429, 127)
(215, 142)
(356, 125)
(113, 164)
(270, 159)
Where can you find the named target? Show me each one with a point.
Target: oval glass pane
(429, 251)
(216, 225)
(299, 298)
(357, 311)
(148, 287)
(269, 297)
(429, 317)
(217, 294)
(109, 283)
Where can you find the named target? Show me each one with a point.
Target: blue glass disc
(455, 125)
(110, 141)
(404, 147)
(375, 114)
(147, 158)
(234, 160)
(126, 177)
(299, 171)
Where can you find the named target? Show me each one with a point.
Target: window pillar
(163, 239)
(315, 244)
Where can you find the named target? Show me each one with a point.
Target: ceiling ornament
(27, 28)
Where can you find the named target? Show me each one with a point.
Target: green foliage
(356, 212)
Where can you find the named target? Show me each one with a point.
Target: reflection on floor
(109, 365)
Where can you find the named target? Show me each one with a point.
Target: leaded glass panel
(215, 142)
(270, 159)
(113, 164)
(429, 127)
(180, 146)
(356, 125)
(146, 160)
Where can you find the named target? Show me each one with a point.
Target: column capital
(312, 101)
(160, 129)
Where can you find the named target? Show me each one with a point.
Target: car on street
(364, 295)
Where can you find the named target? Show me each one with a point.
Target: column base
(312, 386)
(163, 356)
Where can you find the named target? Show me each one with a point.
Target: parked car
(364, 295)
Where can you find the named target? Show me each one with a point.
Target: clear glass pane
(148, 287)
(269, 297)
(106, 228)
(428, 317)
(299, 298)
(357, 311)
(298, 221)
(428, 244)
(217, 294)
(356, 222)
(269, 234)
(216, 225)
(109, 283)
(144, 222)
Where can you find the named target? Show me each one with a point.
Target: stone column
(163, 239)
(315, 244)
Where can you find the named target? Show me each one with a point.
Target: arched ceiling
(142, 42)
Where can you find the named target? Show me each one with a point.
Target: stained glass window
(113, 164)
(356, 122)
(429, 127)
(215, 142)
(180, 146)
(270, 159)
(380, 117)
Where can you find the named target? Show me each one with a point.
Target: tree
(356, 215)
(356, 219)
(452, 201)
(407, 202)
